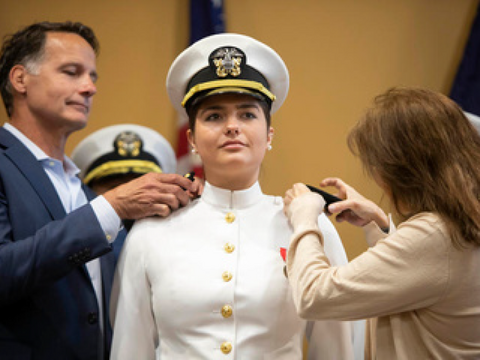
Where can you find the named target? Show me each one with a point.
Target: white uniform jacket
(208, 282)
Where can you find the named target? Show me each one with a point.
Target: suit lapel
(33, 172)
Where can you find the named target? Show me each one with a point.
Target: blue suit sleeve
(53, 251)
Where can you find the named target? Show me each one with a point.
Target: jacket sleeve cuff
(373, 233)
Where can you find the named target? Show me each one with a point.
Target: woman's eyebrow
(248, 105)
(211, 107)
(221, 107)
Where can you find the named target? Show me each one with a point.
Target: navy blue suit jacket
(48, 308)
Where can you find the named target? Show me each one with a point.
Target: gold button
(229, 247)
(226, 347)
(230, 217)
(227, 276)
(227, 311)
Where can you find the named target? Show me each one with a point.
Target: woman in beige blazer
(419, 284)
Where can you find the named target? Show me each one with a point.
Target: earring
(194, 151)
(269, 147)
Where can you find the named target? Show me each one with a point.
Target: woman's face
(231, 137)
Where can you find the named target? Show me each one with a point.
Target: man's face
(60, 91)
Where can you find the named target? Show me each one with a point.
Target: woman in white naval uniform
(208, 282)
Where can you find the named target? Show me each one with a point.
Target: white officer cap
(123, 149)
(226, 63)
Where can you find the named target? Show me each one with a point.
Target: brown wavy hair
(426, 153)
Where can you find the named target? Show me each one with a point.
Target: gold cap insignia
(228, 61)
(128, 143)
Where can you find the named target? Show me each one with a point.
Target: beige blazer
(423, 293)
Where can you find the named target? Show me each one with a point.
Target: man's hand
(152, 194)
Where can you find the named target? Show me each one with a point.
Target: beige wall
(340, 54)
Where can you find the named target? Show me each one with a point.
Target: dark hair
(192, 113)
(427, 154)
(28, 44)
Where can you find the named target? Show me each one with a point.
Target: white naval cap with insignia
(123, 149)
(226, 63)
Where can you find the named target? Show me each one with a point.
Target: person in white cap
(117, 154)
(209, 282)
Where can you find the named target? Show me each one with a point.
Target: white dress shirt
(208, 282)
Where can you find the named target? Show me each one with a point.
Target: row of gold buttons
(227, 310)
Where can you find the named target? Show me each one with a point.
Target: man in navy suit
(56, 237)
